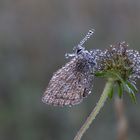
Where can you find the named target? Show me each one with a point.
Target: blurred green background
(34, 37)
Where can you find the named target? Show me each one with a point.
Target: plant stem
(94, 113)
(122, 122)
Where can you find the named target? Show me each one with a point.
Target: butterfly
(73, 82)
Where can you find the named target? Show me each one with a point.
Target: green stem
(94, 113)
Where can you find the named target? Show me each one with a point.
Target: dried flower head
(121, 64)
(70, 84)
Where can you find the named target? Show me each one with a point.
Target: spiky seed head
(122, 64)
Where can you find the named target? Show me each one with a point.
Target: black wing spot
(84, 93)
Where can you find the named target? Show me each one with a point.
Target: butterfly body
(71, 83)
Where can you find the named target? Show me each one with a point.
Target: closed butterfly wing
(70, 84)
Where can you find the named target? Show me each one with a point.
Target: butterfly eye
(78, 50)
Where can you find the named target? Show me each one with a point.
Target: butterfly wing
(70, 84)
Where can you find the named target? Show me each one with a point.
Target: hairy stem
(94, 113)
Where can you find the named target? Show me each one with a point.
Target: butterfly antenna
(87, 36)
(80, 45)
